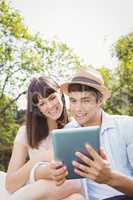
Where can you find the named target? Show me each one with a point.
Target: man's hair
(76, 87)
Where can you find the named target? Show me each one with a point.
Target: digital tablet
(67, 141)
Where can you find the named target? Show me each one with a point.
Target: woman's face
(52, 106)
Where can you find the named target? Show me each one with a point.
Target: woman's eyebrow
(50, 96)
(40, 102)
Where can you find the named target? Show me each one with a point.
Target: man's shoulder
(122, 118)
(120, 121)
(72, 124)
(123, 125)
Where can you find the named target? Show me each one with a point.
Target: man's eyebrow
(81, 98)
(86, 98)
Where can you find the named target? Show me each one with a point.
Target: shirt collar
(107, 122)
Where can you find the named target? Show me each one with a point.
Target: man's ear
(100, 101)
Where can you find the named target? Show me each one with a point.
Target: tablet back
(67, 141)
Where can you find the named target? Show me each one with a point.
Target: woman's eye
(52, 98)
(41, 104)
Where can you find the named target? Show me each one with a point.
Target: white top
(21, 137)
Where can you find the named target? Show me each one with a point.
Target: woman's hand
(96, 169)
(59, 172)
(53, 170)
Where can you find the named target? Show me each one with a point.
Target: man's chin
(81, 122)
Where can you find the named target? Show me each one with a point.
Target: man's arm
(99, 170)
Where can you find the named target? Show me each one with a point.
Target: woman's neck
(52, 124)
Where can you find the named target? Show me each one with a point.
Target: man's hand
(59, 172)
(96, 169)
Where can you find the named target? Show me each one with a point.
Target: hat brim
(101, 88)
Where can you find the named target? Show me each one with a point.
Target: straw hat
(90, 78)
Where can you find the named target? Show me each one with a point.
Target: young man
(109, 175)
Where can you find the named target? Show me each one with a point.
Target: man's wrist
(115, 179)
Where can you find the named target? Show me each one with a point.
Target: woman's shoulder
(21, 135)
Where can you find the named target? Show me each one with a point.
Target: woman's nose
(49, 104)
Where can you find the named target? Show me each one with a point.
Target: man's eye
(86, 101)
(72, 100)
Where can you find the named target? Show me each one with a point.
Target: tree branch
(11, 102)
(6, 80)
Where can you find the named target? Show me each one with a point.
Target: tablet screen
(67, 141)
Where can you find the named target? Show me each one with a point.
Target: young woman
(45, 111)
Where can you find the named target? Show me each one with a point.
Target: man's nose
(78, 106)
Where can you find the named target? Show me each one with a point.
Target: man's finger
(84, 158)
(102, 153)
(92, 152)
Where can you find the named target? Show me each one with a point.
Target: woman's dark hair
(76, 87)
(36, 122)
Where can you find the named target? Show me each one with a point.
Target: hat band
(84, 79)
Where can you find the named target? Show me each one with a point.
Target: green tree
(107, 75)
(19, 55)
(124, 73)
(120, 80)
(23, 55)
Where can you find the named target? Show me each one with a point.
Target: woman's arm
(48, 171)
(18, 169)
(46, 189)
(17, 173)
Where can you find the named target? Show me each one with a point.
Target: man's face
(84, 107)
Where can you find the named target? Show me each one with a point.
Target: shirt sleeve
(128, 136)
(21, 136)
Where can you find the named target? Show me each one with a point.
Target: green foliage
(8, 126)
(124, 72)
(124, 49)
(5, 154)
(23, 55)
(59, 60)
(120, 81)
(12, 21)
